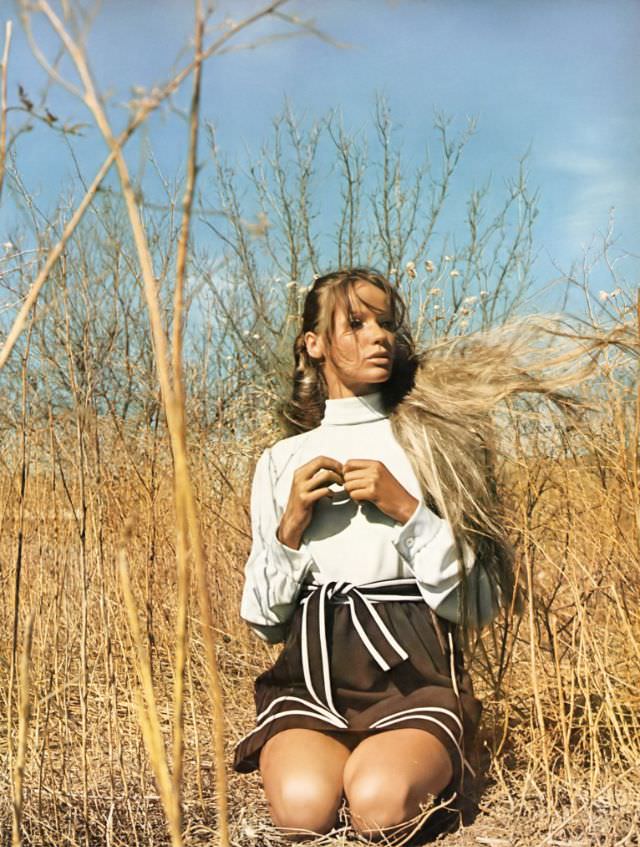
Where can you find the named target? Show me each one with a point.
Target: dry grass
(559, 746)
(119, 541)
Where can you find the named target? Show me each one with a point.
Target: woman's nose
(379, 333)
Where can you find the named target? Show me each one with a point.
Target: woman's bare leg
(388, 776)
(302, 775)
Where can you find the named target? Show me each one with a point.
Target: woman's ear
(315, 345)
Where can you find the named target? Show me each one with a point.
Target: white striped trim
(326, 670)
(331, 721)
(404, 580)
(365, 638)
(439, 709)
(379, 725)
(324, 712)
(452, 666)
(305, 655)
(385, 630)
(380, 598)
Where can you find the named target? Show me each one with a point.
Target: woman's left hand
(367, 479)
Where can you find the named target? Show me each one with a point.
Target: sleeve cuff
(293, 563)
(419, 530)
(485, 603)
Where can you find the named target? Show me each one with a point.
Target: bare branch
(3, 101)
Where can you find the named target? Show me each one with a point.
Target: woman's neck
(353, 409)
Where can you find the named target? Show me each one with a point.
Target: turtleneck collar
(353, 410)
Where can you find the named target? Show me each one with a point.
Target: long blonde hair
(443, 404)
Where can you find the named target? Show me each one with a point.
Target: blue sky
(557, 77)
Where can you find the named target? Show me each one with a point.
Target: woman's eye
(355, 322)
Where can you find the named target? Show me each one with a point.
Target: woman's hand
(366, 479)
(310, 482)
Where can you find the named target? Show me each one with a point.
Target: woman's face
(363, 344)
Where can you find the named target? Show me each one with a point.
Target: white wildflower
(247, 332)
(484, 294)
(448, 258)
(434, 291)
(603, 295)
(464, 324)
(437, 308)
(454, 272)
(256, 336)
(292, 284)
(8, 246)
(615, 293)
(429, 266)
(393, 271)
(469, 301)
(464, 311)
(410, 268)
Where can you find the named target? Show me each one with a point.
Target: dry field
(559, 748)
(124, 522)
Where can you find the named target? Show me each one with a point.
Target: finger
(321, 463)
(360, 494)
(357, 464)
(322, 478)
(318, 493)
(359, 475)
(364, 484)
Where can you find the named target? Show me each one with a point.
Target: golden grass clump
(560, 740)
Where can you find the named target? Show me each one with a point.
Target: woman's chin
(379, 373)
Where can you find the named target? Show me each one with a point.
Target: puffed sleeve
(427, 545)
(274, 572)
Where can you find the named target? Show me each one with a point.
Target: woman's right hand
(310, 482)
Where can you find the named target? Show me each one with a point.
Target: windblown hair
(444, 403)
(449, 424)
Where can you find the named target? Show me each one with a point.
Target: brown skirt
(366, 658)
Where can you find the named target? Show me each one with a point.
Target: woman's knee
(304, 801)
(378, 800)
(302, 775)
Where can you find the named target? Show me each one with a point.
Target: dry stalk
(17, 591)
(177, 352)
(4, 70)
(148, 715)
(173, 401)
(146, 108)
(24, 712)
(533, 649)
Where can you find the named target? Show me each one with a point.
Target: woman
(375, 531)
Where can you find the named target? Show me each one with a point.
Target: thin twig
(3, 101)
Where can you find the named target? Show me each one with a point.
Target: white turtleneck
(346, 540)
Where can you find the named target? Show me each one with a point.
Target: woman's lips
(380, 357)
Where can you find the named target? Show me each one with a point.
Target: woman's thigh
(302, 775)
(390, 773)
